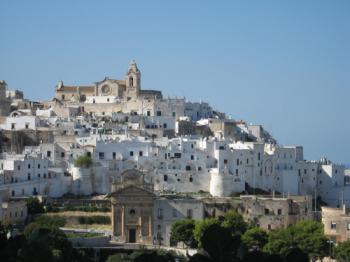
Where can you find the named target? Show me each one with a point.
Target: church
(132, 209)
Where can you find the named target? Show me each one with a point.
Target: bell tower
(133, 79)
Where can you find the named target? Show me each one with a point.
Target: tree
(34, 206)
(342, 251)
(182, 231)
(84, 161)
(219, 243)
(234, 222)
(295, 254)
(306, 235)
(254, 238)
(201, 226)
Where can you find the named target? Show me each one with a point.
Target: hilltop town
(155, 160)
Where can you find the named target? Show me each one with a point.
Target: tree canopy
(342, 251)
(182, 231)
(83, 161)
(306, 235)
(255, 238)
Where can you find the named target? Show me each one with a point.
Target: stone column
(123, 220)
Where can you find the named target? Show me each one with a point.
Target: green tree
(34, 206)
(182, 231)
(201, 226)
(254, 238)
(306, 235)
(84, 161)
(219, 243)
(234, 222)
(342, 251)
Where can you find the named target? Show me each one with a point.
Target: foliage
(342, 251)
(34, 206)
(84, 161)
(296, 254)
(254, 238)
(82, 235)
(234, 222)
(219, 243)
(144, 256)
(182, 231)
(45, 222)
(306, 235)
(94, 220)
(201, 226)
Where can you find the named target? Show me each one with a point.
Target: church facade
(132, 209)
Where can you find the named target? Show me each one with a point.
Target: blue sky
(283, 64)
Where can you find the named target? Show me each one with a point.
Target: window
(165, 125)
(18, 167)
(247, 161)
(237, 162)
(279, 211)
(13, 193)
(107, 99)
(140, 153)
(188, 168)
(236, 172)
(48, 153)
(101, 155)
(192, 157)
(174, 114)
(38, 166)
(131, 153)
(159, 113)
(189, 213)
(266, 211)
(259, 156)
(114, 155)
(38, 175)
(131, 81)
(26, 125)
(28, 176)
(165, 178)
(199, 168)
(13, 125)
(191, 179)
(62, 154)
(333, 225)
(148, 113)
(177, 155)
(225, 161)
(160, 213)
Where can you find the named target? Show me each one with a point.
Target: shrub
(84, 161)
(94, 220)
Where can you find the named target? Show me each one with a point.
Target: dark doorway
(132, 235)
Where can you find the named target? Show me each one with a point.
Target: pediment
(132, 191)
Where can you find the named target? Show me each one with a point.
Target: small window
(27, 125)
(266, 211)
(131, 153)
(333, 225)
(101, 155)
(191, 179)
(279, 211)
(28, 166)
(48, 153)
(225, 161)
(140, 153)
(192, 157)
(62, 154)
(188, 168)
(189, 213)
(159, 113)
(114, 155)
(165, 177)
(39, 166)
(18, 167)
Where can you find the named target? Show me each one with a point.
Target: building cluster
(175, 145)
